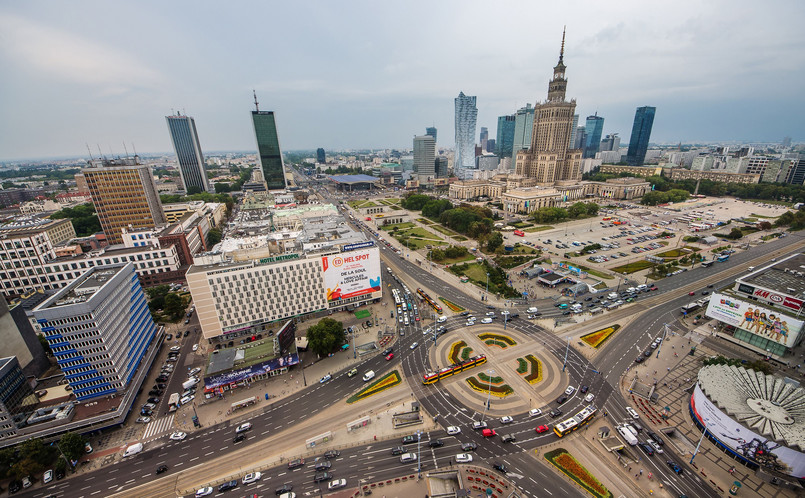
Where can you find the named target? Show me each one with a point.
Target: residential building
(268, 148)
(425, 158)
(321, 157)
(124, 194)
(523, 126)
(466, 114)
(549, 159)
(431, 130)
(486, 162)
(188, 151)
(594, 129)
(796, 174)
(644, 171)
(713, 175)
(504, 143)
(11, 196)
(98, 328)
(641, 133)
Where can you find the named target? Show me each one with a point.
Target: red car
(389, 356)
(542, 428)
(691, 293)
(489, 432)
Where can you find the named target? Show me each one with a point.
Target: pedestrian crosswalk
(158, 427)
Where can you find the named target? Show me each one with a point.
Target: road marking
(194, 459)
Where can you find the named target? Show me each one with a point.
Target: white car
(490, 313)
(337, 484)
(204, 491)
(470, 323)
(253, 477)
(175, 348)
(535, 412)
(243, 427)
(486, 320)
(414, 345)
(187, 399)
(657, 447)
(453, 430)
(195, 347)
(532, 309)
(427, 331)
(178, 436)
(325, 378)
(589, 398)
(47, 477)
(570, 390)
(463, 458)
(506, 420)
(632, 412)
(442, 319)
(195, 371)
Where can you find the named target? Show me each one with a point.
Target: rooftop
(786, 276)
(84, 287)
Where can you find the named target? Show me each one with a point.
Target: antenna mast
(89, 151)
(126, 149)
(256, 105)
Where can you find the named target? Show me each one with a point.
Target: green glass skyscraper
(268, 147)
(641, 132)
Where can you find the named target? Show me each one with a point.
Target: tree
(44, 343)
(494, 241)
(735, 234)
(72, 445)
(415, 202)
(324, 337)
(764, 225)
(214, 236)
(193, 189)
(174, 306)
(83, 217)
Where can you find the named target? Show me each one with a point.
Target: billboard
(749, 444)
(242, 374)
(764, 322)
(351, 274)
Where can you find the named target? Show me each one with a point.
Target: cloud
(70, 57)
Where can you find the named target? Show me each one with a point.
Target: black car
(565, 313)
(464, 313)
(59, 474)
(14, 486)
(509, 438)
(145, 412)
(499, 466)
(676, 468)
(332, 454)
(161, 386)
(555, 413)
(409, 439)
(322, 465)
(584, 389)
(162, 378)
(153, 400)
(388, 351)
(469, 446)
(285, 488)
(293, 464)
(435, 443)
(239, 438)
(169, 337)
(162, 469)
(561, 399)
(647, 449)
(322, 476)
(186, 333)
(397, 450)
(657, 439)
(155, 392)
(647, 353)
(639, 359)
(490, 307)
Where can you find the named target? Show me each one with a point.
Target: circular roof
(764, 403)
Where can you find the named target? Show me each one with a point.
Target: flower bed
(492, 342)
(571, 467)
(535, 375)
(388, 381)
(487, 379)
(453, 306)
(497, 337)
(466, 353)
(459, 348)
(595, 339)
(522, 366)
(501, 391)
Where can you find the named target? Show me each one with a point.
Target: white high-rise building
(466, 117)
(425, 158)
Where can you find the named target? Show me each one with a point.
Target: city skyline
(111, 84)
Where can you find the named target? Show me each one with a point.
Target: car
(584, 389)
(463, 458)
(204, 491)
(409, 439)
(332, 454)
(534, 412)
(169, 337)
(195, 347)
(143, 420)
(506, 420)
(500, 467)
(453, 430)
(570, 390)
(295, 464)
(388, 351)
(186, 333)
(488, 433)
(397, 450)
(657, 447)
(352, 373)
(238, 438)
(561, 399)
(479, 424)
(589, 398)
(322, 465)
(87, 448)
(490, 307)
(337, 484)
(435, 443)
(243, 427)
(322, 476)
(673, 466)
(655, 437)
(509, 438)
(464, 313)
(285, 488)
(469, 446)
(227, 486)
(542, 428)
(633, 413)
(555, 412)
(325, 378)
(390, 357)
(486, 320)
(691, 293)
(154, 400)
(639, 359)
(647, 353)
(178, 436)
(59, 474)
(194, 372)
(175, 348)
(162, 469)
(647, 449)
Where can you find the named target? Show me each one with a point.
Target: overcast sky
(373, 74)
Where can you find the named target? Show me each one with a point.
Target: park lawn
(399, 226)
(445, 231)
(421, 233)
(538, 229)
(361, 204)
(521, 249)
(589, 270)
(460, 259)
(459, 238)
(425, 221)
(475, 272)
(762, 216)
(522, 224)
(675, 253)
(414, 243)
(633, 267)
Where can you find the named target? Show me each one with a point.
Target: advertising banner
(241, 374)
(758, 320)
(749, 444)
(351, 274)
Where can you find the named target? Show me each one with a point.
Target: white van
(442, 319)
(133, 450)
(642, 287)
(532, 309)
(612, 295)
(408, 457)
(369, 376)
(631, 289)
(632, 412)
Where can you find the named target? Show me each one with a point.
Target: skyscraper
(550, 158)
(188, 152)
(425, 157)
(641, 132)
(125, 195)
(484, 137)
(504, 143)
(321, 157)
(594, 129)
(466, 115)
(573, 138)
(431, 130)
(268, 147)
(611, 143)
(523, 126)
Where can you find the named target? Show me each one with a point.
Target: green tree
(324, 337)
(415, 202)
(735, 234)
(214, 236)
(83, 217)
(44, 343)
(494, 241)
(174, 306)
(72, 445)
(193, 189)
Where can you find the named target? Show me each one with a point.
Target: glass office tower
(466, 115)
(641, 132)
(594, 129)
(188, 152)
(268, 147)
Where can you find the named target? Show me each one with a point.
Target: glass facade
(523, 126)
(268, 147)
(188, 152)
(504, 142)
(594, 129)
(641, 132)
(466, 117)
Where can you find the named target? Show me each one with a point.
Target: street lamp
(704, 423)
(487, 283)
(418, 460)
(490, 373)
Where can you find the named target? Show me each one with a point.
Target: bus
(425, 297)
(434, 377)
(578, 420)
(690, 307)
(707, 264)
(519, 233)
(566, 427)
(723, 257)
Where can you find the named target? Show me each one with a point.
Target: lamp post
(487, 283)
(488, 393)
(700, 439)
(418, 460)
